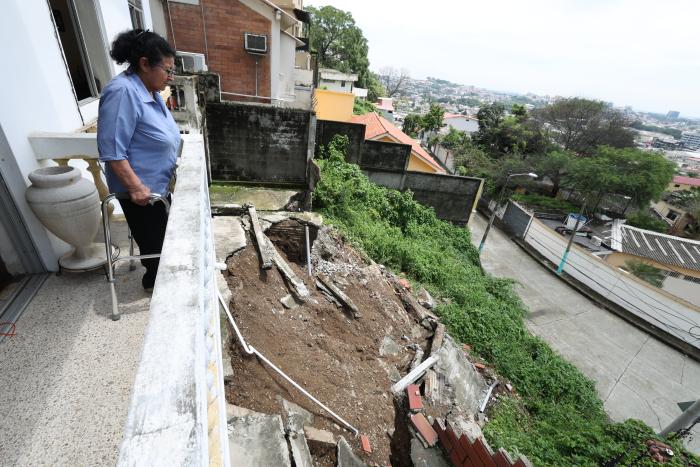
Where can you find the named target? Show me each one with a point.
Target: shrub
(545, 202)
(647, 222)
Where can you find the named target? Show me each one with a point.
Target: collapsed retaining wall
(260, 144)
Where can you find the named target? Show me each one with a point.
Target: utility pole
(500, 197)
(684, 420)
(571, 240)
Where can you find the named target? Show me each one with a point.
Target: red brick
(502, 459)
(483, 453)
(365, 444)
(479, 366)
(420, 423)
(415, 403)
(466, 347)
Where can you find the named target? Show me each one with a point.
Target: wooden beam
(344, 299)
(260, 239)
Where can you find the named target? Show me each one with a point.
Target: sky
(642, 53)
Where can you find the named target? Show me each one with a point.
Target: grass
(558, 418)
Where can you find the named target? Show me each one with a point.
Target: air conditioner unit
(191, 62)
(255, 43)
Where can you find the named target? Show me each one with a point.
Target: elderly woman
(138, 138)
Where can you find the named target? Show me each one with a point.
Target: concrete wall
(333, 105)
(379, 156)
(677, 319)
(452, 197)
(516, 220)
(327, 129)
(261, 144)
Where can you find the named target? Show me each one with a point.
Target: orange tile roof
(376, 126)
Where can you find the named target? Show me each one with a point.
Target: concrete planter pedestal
(69, 207)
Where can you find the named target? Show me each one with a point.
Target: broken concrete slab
(438, 338)
(425, 299)
(300, 449)
(258, 440)
(289, 302)
(347, 458)
(426, 457)
(229, 236)
(263, 244)
(467, 385)
(344, 299)
(315, 435)
(297, 417)
(389, 348)
(236, 411)
(265, 199)
(298, 287)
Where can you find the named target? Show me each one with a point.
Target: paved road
(636, 375)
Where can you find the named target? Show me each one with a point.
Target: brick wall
(226, 22)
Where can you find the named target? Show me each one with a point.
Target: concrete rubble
(347, 458)
(257, 440)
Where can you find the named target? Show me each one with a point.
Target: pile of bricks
(462, 451)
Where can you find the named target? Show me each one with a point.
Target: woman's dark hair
(130, 46)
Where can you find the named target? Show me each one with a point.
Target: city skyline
(638, 53)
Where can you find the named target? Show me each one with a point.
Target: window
(136, 13)
(80, 35)
(672, 215)
(342, 84)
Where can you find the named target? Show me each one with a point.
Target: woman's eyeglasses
(169, 71)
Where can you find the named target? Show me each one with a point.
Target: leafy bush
(647, 222)
(558, 418)
(361, 107)
(545, 202)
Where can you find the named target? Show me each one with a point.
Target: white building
(691, 140)
(59, 51)
(335, 80)
(460, 122)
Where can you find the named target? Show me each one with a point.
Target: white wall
(286, 74)
(37, 95)
(673, 315)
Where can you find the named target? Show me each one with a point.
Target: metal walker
(111, 260)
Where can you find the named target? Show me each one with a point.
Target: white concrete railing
(671, 314)
(178, 410)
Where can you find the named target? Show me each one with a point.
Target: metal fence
(177, 414)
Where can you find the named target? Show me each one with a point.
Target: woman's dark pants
(147, 225)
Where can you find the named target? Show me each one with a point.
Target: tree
(339, 43)
(633, 172)
(554, 164)
(647, 222)
(581, 125)
(500, 134)
(412, 125)
(454, 139)
(393, 80)
(432, 121)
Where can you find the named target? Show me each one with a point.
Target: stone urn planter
(68, 205)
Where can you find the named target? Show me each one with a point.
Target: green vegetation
(362, 106)
(646, 272)
(557, 419)
(340, 45)
(647, 222)
(545, 202)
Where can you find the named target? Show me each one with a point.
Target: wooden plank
(265, 260)
(344, 299)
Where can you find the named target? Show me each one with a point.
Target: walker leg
(115, 305)
(132, 263)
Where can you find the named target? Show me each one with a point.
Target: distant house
(683, 183)
(334, 80)
(385, 106)
(678, 258)
(378, 128)
(460, 122)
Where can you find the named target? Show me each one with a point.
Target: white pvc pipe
(308, 249)
(252, 351)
